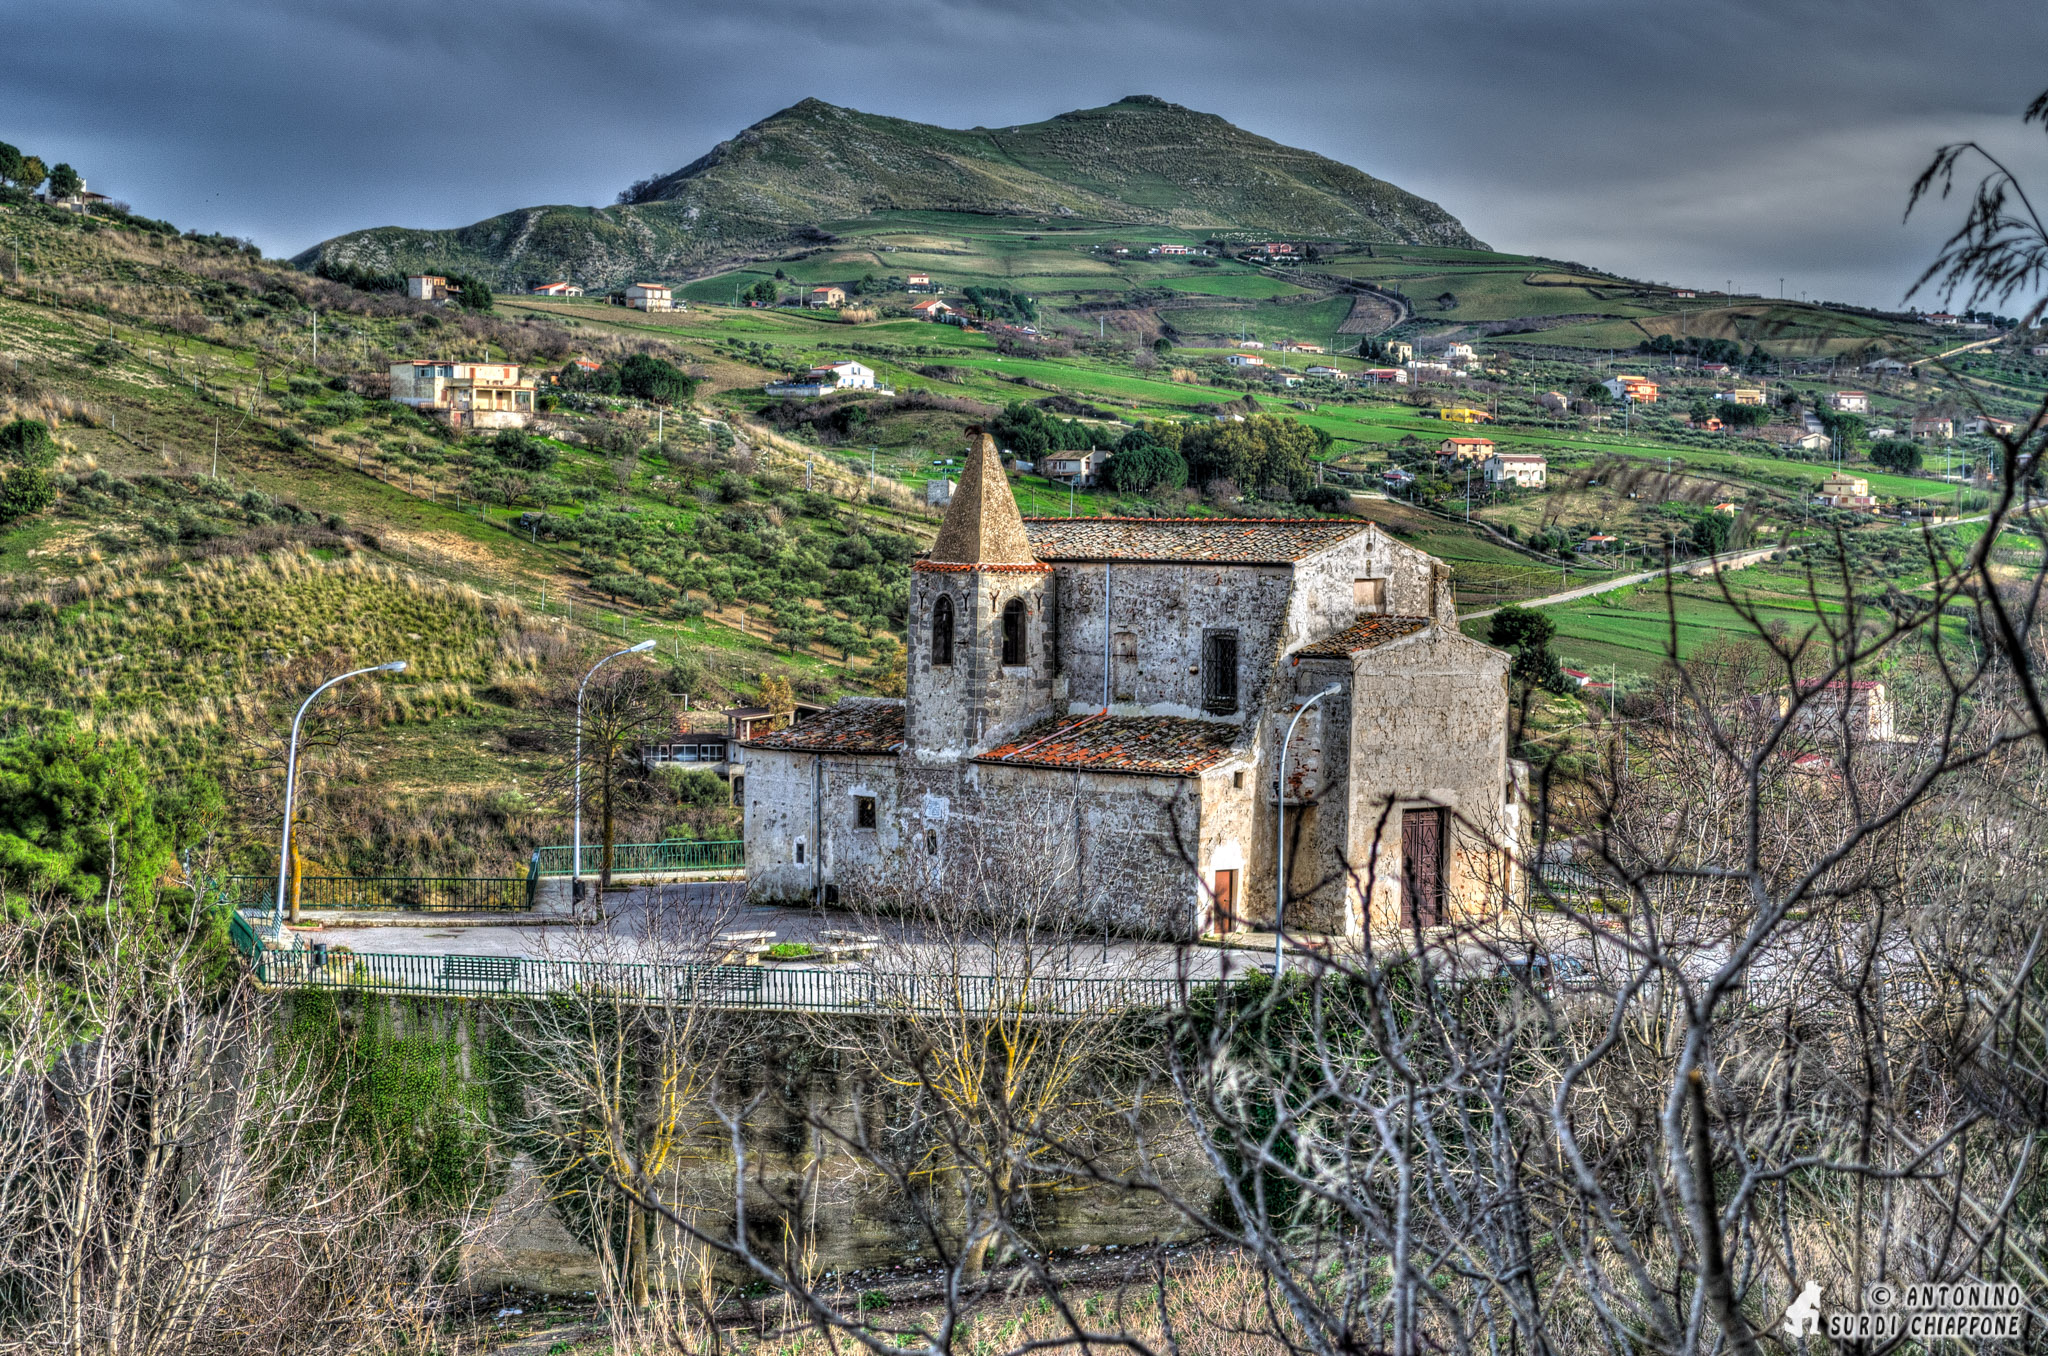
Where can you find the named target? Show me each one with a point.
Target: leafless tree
(169, 1181)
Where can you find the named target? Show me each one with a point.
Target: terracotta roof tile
(1167, 746)
(1233, 541)
(1367, 633)
(858, 725)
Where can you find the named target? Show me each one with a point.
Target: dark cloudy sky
(1695, 142)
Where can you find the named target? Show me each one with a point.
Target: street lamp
(576, 860)
(1280, 811)
(291, 778)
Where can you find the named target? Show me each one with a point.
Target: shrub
(27, 442)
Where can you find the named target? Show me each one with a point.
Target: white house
(426, 287)
(825, 379)
(1521, 468)
(1388, 376)
(1074, 468)
(931, 308)
(1459, 353)
(1287, 379)
(1321, 371)
(1850, 402)
(1244, 360)
(557, 289)
(649, 297)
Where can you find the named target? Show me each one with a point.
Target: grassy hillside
(1139, 162)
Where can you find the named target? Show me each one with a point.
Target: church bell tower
(980, 655)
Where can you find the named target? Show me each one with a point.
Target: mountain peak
(777, 184)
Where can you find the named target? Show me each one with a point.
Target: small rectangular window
(799, 852)
(863, 812)
(1369, 596)
(1219, 673)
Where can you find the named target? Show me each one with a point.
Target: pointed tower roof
(982, 525)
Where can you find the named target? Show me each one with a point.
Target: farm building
(1842, 490)
(826, 378)
(650, 297)
(427, 287)
(825, 296)
(1466, 449)
(557, 289)
(1105, 699)
(931, 308)
(1458, 414)
(1244, 360)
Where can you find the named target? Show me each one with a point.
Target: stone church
(1107, 697)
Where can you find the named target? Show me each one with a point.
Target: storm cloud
(1694, 143)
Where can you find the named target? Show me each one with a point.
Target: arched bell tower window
(942, 632)
(1013, 633)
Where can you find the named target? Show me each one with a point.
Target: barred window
(1219, 672)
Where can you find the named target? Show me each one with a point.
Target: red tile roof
(858, 725)
(1232, 541)
(1366, 634)
(1160, 746)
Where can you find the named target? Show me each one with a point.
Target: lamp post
(1280, 812)
(576, 851)
(291, 779)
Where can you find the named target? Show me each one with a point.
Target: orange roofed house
(1094, 713)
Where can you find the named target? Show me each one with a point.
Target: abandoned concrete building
(1105, 699)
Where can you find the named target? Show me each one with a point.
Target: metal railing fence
(399, 894)
(724, 986)
(629, 858)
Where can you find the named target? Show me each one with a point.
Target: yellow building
(1459, 415)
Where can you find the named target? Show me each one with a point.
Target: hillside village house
(1173, 249)
(1244, 360)
(919, 282)
(1987, 423)
(557, 289)
(427, 287)
(1398, 350)
(1742, 395)
(1081, 469)
(826, 296)
(1101, 702)
(1557, 402)
(826, 378)
(1466, 449)
(1860, 709)
(1525, 469)
(1850, 402)
(1887, 366)
(2039, 351)
(1319, 370)
(931, 308)
(1942, 318)
(1459, 414)
(1251, 343)
(1798, 437)
(1842, 490)
(1284, 378)
(465, 395)
(1459, 353)
(650, 297)
(1385, 376)
(1296, 346)
(1714, 369)
(1933, 426)
(1641, 390)
(1426, 371)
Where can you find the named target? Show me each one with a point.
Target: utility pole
(216, 447)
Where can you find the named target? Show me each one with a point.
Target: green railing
(724, 986)
(630, 858)
(397, 894)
